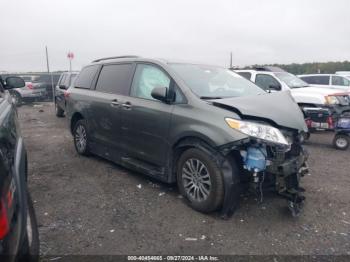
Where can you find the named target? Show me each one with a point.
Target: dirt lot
(91, 206)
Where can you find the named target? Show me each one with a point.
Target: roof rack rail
(115, 57)
(268, 68)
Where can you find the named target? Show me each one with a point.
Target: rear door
(145, 120)
(112, 88)
(59, 93)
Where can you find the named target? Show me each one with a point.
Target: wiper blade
(210, 97)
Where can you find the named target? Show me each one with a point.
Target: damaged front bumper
(279, 170)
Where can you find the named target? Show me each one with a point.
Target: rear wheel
(16, 99)
(58, 110)
(80, 135)
(341, 141)
(30, 247)
(200, 180)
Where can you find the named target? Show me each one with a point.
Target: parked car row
(38, 87)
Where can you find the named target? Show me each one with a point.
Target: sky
(255, 31)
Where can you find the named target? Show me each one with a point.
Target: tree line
(313, 68)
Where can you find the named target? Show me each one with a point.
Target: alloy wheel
(80, 138)
(196, 179)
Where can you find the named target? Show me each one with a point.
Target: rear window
(316, 80)
(86, 77)
(115, 79)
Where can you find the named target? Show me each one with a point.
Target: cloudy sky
(257, 32)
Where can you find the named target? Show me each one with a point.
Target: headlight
(331, 100)
(261, 131)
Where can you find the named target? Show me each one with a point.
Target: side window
(246, 75)
(340, 81)
(308, 79)
(61, 80)
(316, 80)
(86, 76)
(146, 78)
(322, 80)
(267, 82)
(115, 79)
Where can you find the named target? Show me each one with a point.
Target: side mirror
(275, 87)
(62, 87)
(160, 93)
(14, 82)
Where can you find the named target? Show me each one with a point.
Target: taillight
(30, 85)
(4, 222)
(66, 94)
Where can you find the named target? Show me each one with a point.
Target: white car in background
(336, 81)
(273, 79)
(343, 73)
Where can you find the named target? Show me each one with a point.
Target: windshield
(210, 82)
(291, 80)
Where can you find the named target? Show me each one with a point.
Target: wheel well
(181, 146)
(194, 142)
(75, 118)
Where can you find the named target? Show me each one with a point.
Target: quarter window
(148, 77)
(86, 76)
(115, 79)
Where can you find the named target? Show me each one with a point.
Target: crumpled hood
(278, 107)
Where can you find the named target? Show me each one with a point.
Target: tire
(30, 247)
(80, 135)
(208, 183)
(341, 141)
(59, 111)
(16, 98)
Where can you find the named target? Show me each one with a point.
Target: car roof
(319, 75)
(117, 59)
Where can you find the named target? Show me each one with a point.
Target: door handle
(126, 105)
(115, 103)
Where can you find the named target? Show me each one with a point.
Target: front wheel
(341, 141)
(80, 135)
(200, 180)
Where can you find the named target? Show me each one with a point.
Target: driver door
(145, 120)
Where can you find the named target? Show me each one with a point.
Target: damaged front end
(274, 160)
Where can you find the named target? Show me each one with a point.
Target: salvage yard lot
(87, 205)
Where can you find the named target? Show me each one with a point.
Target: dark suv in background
(204, 127)
(65, 81)
(19, 239)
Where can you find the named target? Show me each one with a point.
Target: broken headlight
(257, 130)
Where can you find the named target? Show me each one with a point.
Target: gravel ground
(86, 205)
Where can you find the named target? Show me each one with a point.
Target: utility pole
(231, 60)
(48, 71)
